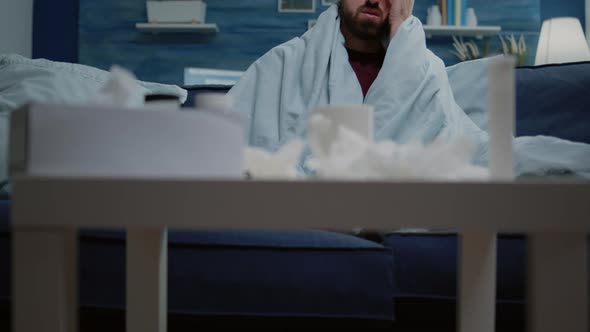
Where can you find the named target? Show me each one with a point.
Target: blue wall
(247, 30)
(555, 8)
(105, 35)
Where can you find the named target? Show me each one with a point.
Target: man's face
(366, 19)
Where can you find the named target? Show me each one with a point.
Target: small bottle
(471, 18)
(434, 16)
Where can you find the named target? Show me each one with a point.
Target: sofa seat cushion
(291, 273)
(426, 266)
(279, 273)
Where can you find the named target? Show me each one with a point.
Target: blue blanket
(411, 96)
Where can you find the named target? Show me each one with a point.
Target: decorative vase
(434, 16)
(471, 18)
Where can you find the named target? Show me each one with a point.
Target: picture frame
(328, 2)
(296, 6)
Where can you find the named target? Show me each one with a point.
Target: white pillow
(23, 80)
(469, 82)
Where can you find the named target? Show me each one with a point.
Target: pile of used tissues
(350, 156)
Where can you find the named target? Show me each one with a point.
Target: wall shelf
(461, 31)
(201, 28)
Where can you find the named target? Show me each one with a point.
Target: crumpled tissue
(121, 90)
(339, 153)
(350, 156)
(261, 164)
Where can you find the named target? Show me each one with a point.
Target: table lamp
(562, 40)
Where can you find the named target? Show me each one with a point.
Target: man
(359, 52)
(374, 52)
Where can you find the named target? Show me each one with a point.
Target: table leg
(477, 282)
(45, 280)
(147, 270)
(558, 284)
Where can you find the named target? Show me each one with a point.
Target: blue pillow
(554, 100)
(551, 100)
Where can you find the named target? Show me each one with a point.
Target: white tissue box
(176, 11)
(59, 140)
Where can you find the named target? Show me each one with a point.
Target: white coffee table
(48, 211)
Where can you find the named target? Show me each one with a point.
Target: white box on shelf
(99, 141)
(176, 11)
(201, 28)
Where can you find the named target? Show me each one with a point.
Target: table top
(520, 206)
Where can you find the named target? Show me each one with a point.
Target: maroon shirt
(366, 66)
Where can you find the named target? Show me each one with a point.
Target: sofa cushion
(272, 273)
(553, 100)
(290, 273)
(426, 266)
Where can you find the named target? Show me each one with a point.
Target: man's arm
(399, 12)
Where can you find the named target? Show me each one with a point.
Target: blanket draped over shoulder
(411, 96)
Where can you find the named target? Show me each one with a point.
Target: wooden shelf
(201, 28)
(451, 30)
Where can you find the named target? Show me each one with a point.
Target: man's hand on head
(399, 12)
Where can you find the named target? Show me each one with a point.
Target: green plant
(518, 49)
(465, 51)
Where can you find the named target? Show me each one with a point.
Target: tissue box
(176, 11)
(60, 140)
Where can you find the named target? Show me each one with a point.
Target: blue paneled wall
(553, 8)
(248, 29)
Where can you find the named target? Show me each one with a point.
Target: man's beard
(364, 29)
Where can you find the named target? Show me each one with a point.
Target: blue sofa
(303, 278)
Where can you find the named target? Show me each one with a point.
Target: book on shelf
(457, 18)
(463, 12)
(450, 12)
(442, 4)
(453, 12)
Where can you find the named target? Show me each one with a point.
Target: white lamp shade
(562, 40)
